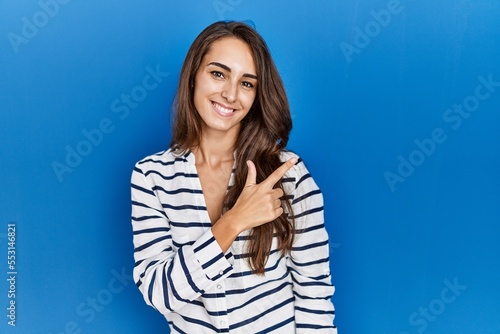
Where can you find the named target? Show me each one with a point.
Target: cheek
(248, 99)
(201, 91)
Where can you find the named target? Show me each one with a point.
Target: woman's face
(225, 85)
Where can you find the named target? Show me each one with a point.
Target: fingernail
(294, 160)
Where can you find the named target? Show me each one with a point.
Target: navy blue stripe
(179, 245)
(218, 276)
(186, 225)
(306, 310)
(247, 289)
(306, 264)
(168, 163)
(178, 191)
(144, 190)
(249, 272)
(177, 329)
(310, 326)
(138, 263)
(152, 230)
(152, 242)
(183, 207)
(143, 218)
(317, 244)
(171, 177)
(212, 261)
(311, 298)
(260, 296)
(303, 178)
(152, 263)
(165, 285)
(148, 207)
(150, 288)
(205, 244)
(213, 295)
(278, 325)
(318, 278)
(311, 193)
(310, 228)
(171, 284)
(256, 317)
(204, 324)
(187, 274)
(313, 283)
(308, 212)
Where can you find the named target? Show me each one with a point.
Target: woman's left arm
(309, 259)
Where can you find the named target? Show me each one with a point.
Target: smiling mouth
(223, 110)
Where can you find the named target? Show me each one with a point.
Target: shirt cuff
(211, 258)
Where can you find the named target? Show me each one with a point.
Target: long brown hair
(263, 133)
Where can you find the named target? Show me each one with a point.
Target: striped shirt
(182, 272)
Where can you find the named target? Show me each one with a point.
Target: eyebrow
(225, 67)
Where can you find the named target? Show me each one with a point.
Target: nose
(230, 91)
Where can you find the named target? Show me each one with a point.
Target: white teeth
(222, 109)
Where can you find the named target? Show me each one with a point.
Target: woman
(228, 225)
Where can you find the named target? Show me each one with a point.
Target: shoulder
(299, 168)
(161, 161)
(298, 173)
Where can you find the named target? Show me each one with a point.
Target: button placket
(221, 305)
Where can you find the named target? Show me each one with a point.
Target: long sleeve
(309, 260)
(167, 274)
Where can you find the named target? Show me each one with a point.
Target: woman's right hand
(260, 203)
(257, 204)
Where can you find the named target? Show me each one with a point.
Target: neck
(215, 147)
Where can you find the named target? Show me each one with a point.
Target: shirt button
(221, 272)
(223, 323)
(219, 286)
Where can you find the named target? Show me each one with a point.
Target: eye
(217, 74)
(247, 84)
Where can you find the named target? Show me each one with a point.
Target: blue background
(396, 246)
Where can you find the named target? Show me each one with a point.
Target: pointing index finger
(279, 172)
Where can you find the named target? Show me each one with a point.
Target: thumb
(252, 174)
